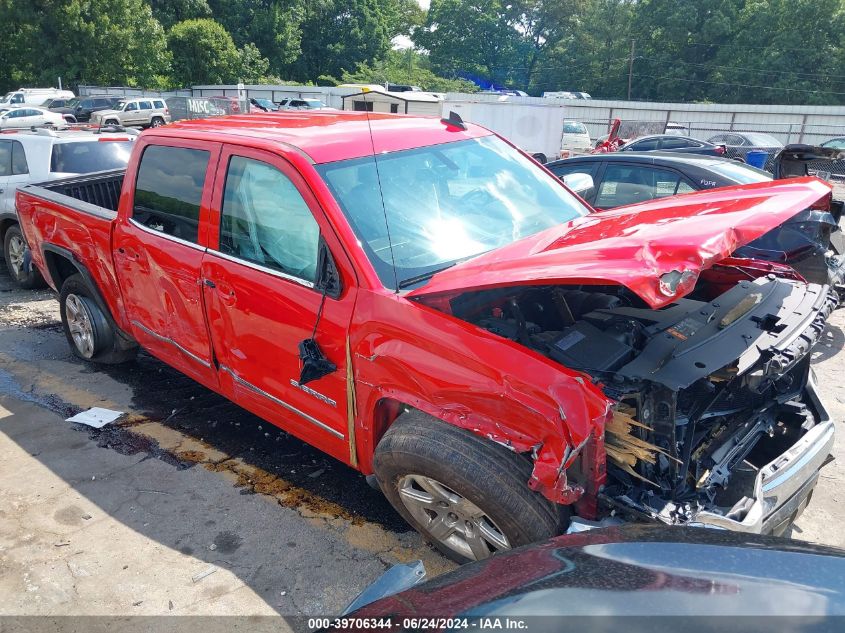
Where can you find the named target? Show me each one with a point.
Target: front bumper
(783, 486)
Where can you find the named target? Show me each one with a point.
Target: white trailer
(536, 128)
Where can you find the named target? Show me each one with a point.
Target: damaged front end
(716, 421)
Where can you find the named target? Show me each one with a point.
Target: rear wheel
(540, 158)
(14, 252)
(87, 329)
(466, 495)
(157, 121)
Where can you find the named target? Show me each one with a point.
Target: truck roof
(326, 136)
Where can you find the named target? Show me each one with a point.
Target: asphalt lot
(130, 519)
(190, 505)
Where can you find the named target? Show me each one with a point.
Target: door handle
(209, 283)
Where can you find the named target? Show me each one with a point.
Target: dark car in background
(82, 109)
(811, 242)
(637, 578)
(738, 144)
(673, 143)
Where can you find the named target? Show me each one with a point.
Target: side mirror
(582, 184)
(315, 364)
(328, 278)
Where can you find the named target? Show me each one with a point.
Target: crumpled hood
(633, 246)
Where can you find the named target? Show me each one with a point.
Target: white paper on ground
(96, 417)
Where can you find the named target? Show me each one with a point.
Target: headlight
(676, 282)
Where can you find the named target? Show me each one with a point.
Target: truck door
(158, 248)
(259, 278)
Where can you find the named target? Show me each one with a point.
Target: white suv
(36, 156)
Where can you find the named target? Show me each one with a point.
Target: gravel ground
(302, 532)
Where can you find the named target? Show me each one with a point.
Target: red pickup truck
(426, 304)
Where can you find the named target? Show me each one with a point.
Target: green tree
(271, 25)
(593, 56)
(472, 36)
(677, 42)
(104, 42)
(339, 34)
(204, 53)
(169, 12)
(406, 67)
(785, 52)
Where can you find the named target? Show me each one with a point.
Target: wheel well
(385, 413)
(4, 226)
(60, 268)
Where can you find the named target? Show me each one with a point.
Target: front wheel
(466, 495)
(14, 252)
(87, 329)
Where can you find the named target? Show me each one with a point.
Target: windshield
(90, 156)
(119, 105)
(313, 103)
(573, 127)
(445, 203)
(739, 173)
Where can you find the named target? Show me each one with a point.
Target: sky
(401, 42)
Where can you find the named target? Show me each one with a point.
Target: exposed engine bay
(709, 390)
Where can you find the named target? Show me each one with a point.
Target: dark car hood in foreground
(633, 246)
(638, 571)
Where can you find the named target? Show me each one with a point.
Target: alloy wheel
(80, 326)
(17, 248)
(451, 519)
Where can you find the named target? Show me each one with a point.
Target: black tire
(112, 122)
(87, 329)
(540, 158)
(156, 121)
(492, 478)
(13, 241)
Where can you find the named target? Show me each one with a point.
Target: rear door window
(19, 165)
(677, 143)
(5, 158)
(168, 190)
(146, 105)
(629, 184)
(643, 146)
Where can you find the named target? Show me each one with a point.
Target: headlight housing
(676, 282)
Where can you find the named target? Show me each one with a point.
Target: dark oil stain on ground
(164, 395)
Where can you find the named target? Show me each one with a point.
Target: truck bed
(101, 189)
(71, 220)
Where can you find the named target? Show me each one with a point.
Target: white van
(34, 96)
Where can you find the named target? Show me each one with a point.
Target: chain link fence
(739, 139)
